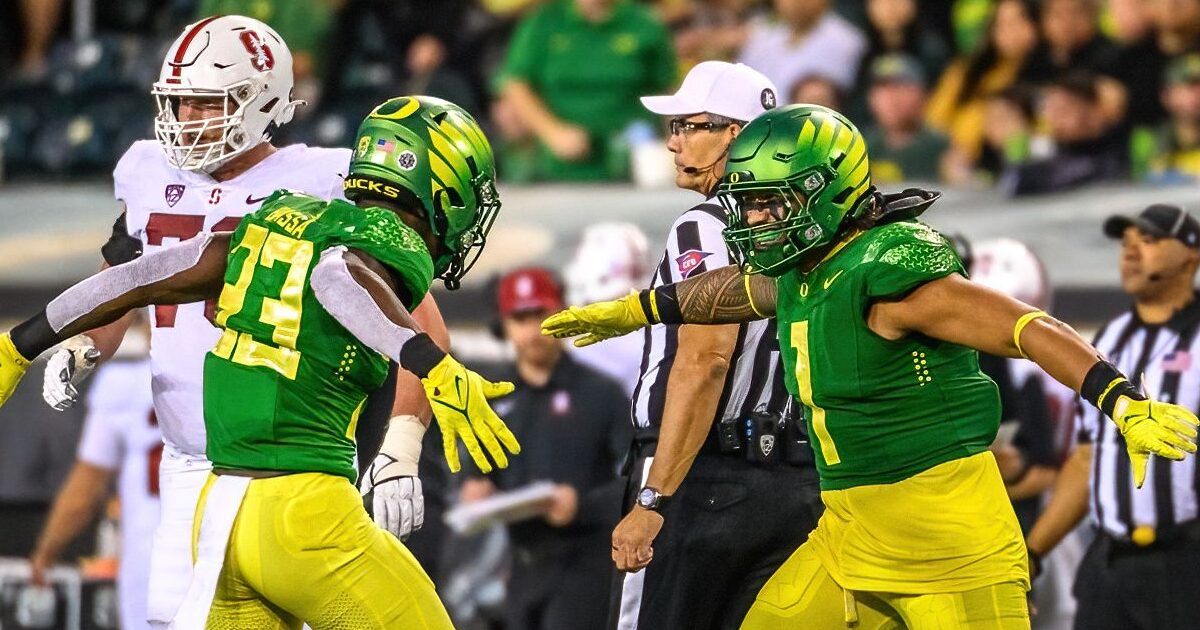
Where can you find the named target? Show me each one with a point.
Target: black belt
(1146, 539)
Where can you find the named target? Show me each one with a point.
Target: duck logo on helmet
(261, 56)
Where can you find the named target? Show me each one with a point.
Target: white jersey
(165, 205)
(120, 433)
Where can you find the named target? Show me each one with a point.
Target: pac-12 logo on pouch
(691, 259)
(261, 56)
(173, 193)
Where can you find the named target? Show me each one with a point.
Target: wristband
(1103, 385)
(661, 305)
(420, 354)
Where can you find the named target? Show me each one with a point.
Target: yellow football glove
(459, 398)
(12, 367)
(1153, 427)
(598, 321)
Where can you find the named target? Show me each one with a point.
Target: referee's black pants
(728, 528)
(1121, 588)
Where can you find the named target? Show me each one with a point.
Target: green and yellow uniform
(918, 528)
(282, 392)
(885, 415)
(286, 382)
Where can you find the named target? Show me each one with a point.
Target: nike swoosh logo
(252, 200)
(830, 279)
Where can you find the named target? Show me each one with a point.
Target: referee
(710, 399)
(1142, 571)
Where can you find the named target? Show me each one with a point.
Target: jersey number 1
(266, 248)
(804, 384)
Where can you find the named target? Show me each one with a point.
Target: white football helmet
(1012, 268)
(611, 261)
(239, 60)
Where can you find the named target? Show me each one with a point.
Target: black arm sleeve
(121, 247)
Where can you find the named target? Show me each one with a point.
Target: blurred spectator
(958, 104)
(379, 48)
(572, 77)
(805, 37)
(1086, 146)
(816, 89)
(1142, 61)
(39, 20)
(893, 27)
(1008, 132)
(902, 148)
(1072, 38)
(611, 260)
(712, 29)
(1170, 152)
(574, 430)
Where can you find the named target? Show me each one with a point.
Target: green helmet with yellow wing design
(805, 164)
(430, 156)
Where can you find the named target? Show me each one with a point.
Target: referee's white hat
(734, 90)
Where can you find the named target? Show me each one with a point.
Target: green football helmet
(429, 154)
(807, 165)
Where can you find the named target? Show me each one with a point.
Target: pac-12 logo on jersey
(261, 56)
(173, 193)
(691, 259)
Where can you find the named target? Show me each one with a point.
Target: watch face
(647, 497)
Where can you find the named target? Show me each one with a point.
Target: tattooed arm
(720, 296)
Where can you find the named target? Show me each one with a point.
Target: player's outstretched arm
(362, 296)
(721, 296)
(957, 310)
(192, 271)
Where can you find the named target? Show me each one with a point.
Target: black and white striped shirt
(1168, 355)
(755, 377)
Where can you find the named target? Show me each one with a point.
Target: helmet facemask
(207, 143)
(772, 247)
(461, 257)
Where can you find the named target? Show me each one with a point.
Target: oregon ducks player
(878, 328)
(314, 299)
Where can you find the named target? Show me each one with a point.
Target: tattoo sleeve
(720, 296)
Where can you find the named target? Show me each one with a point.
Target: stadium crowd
(1030, 96)
(1025, 96)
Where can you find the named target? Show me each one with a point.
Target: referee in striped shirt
(710, 405)
(1142, 571)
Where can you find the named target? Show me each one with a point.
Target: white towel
(216, 523)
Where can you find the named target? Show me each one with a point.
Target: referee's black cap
(1161, 220)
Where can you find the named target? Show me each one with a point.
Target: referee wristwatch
(652, 499)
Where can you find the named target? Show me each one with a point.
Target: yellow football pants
(303, 550)
(802, 595)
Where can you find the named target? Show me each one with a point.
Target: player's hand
(397, 501)
(569, 142)
(633, 539)
(459, 398)
(69, 366)
(598, 321)
(1153, 427)
(12, 368)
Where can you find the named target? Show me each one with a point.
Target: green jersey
(285, 384)
(880, 411)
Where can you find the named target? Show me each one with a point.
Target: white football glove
(397, 504)
(70, 365)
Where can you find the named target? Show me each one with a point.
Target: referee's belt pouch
(767, 439)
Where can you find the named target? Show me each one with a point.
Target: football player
(224, 89)
(879, 329)
(314, 299)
